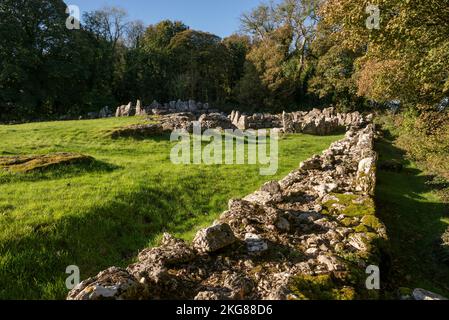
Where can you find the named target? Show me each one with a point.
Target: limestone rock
(312, 164)
(112, 284)
(424, 295)
(126, 111)
(255, 244)
(215, 121)
(214, 238)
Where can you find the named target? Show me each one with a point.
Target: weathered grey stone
(315, 163)
(255, 244)
(111, 284)
(125, 111)
(424, 295)
(215, 121)
(139, 110)
(214, 238)
(359, 241)
(272, 187)
(332, 263)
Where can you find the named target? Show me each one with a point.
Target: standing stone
(242, 123)
(139, 110)
(232, 116)
(236, 118)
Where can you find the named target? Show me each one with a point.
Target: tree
(282, 35)
(134, 33)
(238, 47)
(41, 71)
(406, 58)
(159, 36)
(108, 23)
(333, 79)
(202, 66)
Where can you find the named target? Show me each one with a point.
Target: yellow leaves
(379, 79)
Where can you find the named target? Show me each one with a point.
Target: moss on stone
(354, 205)
(372, 222)
(361, 229)
(322, 287)
(405, 291)
(26, 164)
(347, 222)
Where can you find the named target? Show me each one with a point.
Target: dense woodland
(294, 55)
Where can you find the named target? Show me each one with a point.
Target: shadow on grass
(61, 171)
(414, 219)
(33, 266)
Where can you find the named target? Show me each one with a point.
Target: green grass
(99, 215)
(416, 217)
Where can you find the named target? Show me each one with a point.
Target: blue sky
(220, 17)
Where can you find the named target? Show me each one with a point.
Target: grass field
(99, 215)
(416, 217)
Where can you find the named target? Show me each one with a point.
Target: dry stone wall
(256, 121)
(321, 122)
(315, 226)
(156, 108)
(316, 122)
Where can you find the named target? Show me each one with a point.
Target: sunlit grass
(102, 214)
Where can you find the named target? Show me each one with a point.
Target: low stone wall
(156, 108)
(322, 122)
(316, 228)
(316, 122)
(256, 121)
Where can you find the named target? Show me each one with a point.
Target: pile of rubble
(317, 223)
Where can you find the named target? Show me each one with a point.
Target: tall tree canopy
(278, 62)
(406, 58)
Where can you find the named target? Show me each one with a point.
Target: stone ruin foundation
(315, 228)
(315, 122)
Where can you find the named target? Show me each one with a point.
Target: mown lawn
(416, 217)
(102, 214)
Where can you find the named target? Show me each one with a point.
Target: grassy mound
(26, 164)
